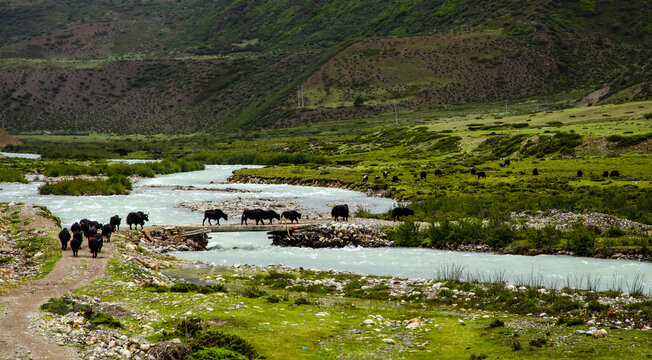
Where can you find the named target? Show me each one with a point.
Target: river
(157, 197)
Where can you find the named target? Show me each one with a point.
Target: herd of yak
(95, 232)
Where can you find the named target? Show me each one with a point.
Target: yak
(269, 215)
(75, 227)
(535, 171)
(481, 174)
(340, 211)
(365, 178)
(423, 175)
(64, 237)
(579, 173)
(507, 162)
(95, 244)
(605, 174)
(438, 173)
(394, 178)
(115, 221)
(385, 174)
(291, 215)
(76, 242)
(137, 218)
(398, 212)
(107, 230)
(614, 173)
(256, 214)
(215, 214)
(473, 171)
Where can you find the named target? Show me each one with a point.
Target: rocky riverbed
(566, 220)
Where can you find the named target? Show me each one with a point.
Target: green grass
(116, 185)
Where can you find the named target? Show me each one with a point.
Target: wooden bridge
(198, 230)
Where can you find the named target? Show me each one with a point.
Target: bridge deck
(188, 230)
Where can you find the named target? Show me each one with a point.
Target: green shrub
(253, 292)
(273, 299)
(215, 354)
(406, 234)
(184, 287)
(189, 327)
(215, 338)
(101, 318)
(301, 301)
(115, 185)
(581, 241)
(569, 321)
(496, 323)
(9, 175)
(155, 287)
(63, 306)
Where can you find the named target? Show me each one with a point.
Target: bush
(9, 175)
(496, 323)
(155, 287)
(63, 306)
(301, 301)
(405, 234)
(214, 338)
(253, 292)
(189, 327)
(184, 287)
(215, 354)
(105, 319)
(581, 241)
(115, 185)
(273, 299)
(569, 321)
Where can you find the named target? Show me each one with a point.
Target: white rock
(543, 315)
(602, 333)
(368, 322)
(389, 341)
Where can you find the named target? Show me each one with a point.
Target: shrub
(115, 185)
(539, 342)
(253, 292)
(301, 301)
(405, 234)
(215, 354)
(273, 299)
(63, 306)
(189, 327)
(569, 321)
(496, 323)
(105, 319)
(184, 287)
(581, 241)
(215, 338)
(155, 287)
(10, 175)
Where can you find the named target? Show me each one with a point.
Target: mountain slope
(198, 65)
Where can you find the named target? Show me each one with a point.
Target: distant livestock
(398, 212)
(115, 222)
(423, 175)
(291, 215)
(507, 162)
(385, 174)
(75, 227)
(270, 215)
(365, 178)
(340, 211)
(614, 173)
(481, 174)
(255, 214)
(137, 218)
(64, 237)
(605, 174)
(438, 173)
(535, 171)
(473, 171)
(215, 214)
(95, 244)
(579, 173)
(107, 230)
(394, 178)
(377, 177)
(76, 242)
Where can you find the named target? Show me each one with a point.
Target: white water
(21, 155)
(552, 271)
(255, 248)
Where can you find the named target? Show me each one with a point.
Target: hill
(194, 65)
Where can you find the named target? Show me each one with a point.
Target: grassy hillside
(195, 65)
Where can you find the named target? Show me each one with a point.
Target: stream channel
(157, 196)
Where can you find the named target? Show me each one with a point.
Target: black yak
(76, 242)
(64, 237)
(579, 173)
(291, 215)
(614, 173)
(473, 171)
(270, 215)
(535, 171)
(507, 162)
(394, 178)
(107, 230)
(481, 174)
(398, 212)
(215, 214)
(256, 214)
(438, 173)
(365, 178)
(605, 174)
(115, 221)
(340, 211)
(423, 175)
(95, 244)
(75, 227)
(137, 218)
(385, 174)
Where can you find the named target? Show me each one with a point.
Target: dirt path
(20, 307)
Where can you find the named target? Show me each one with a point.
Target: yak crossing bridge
(199, 233)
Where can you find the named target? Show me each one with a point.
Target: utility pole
(395, 113)
(505, 108)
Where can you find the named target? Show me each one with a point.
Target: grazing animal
(107, 230)
(423, 175)
(473, 171)
(83, 223)
(340, 211)
(64, 237)
(365, 178)
(256, 214)
(501, 165)
(401, 211)
(481, 174)
(385, 174)
(137, 218)
(605, 174)
(269, 215)
(95, 244)
(75, 227)
(507, 162)
(377, 177)
(215, 214)
(115, 222)
(394, 178)
(291, 215)
(438, 173)
(614, 173)
(579, 173)
(535, 171)
(76, 242)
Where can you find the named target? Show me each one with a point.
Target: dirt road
(20, 307)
